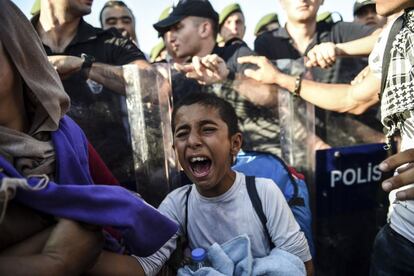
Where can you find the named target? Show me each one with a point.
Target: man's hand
(405, 175)
(206, 70)
(66, 65)
(266, 73)
(322, 55)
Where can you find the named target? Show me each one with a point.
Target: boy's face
(204, 148)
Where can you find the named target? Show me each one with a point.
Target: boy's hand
(206, 70)
(405, 175)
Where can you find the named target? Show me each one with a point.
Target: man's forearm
(256, 92)
(334, 97)
(109, 76)
(358, 47)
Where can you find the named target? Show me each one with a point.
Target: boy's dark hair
(224, 108)
(114, 3)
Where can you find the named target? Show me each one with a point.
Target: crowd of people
(69, 203)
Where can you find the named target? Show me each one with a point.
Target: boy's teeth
(195, 159)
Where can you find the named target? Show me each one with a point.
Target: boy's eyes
(183, 133)
(180, 134)
(209, 129)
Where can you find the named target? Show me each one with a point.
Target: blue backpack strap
(257, 205)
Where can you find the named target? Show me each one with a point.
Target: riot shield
(297, 122)
(148, 99)
(350, 205)
(343, 177)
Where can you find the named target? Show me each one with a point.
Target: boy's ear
(236, 143)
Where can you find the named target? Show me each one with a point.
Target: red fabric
(102, 175)
(99, 171)
(296, 174)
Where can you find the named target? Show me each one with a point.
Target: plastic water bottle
(198, 259)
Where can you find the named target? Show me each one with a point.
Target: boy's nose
(194, 140)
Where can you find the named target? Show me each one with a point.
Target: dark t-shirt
(100, 112)
(279, 45)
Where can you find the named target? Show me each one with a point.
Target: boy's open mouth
(200, 166)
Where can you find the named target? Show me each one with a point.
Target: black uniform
(100, 112)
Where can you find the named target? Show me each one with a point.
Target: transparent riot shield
(297, 122)
(349, 204)
(148, 98)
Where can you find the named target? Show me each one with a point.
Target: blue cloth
(235, 258)
(144, 229)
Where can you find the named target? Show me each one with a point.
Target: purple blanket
(144, 229)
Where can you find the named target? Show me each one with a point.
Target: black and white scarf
(398, 96)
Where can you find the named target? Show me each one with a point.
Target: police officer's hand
(266, 72)
(66, 65)
(206, 70)
(322, 55)
(405, 174)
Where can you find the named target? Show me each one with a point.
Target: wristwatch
(298, 85)
(88, 60)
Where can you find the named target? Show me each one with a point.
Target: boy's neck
(221, 188)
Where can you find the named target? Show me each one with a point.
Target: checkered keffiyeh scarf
(398, 95)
